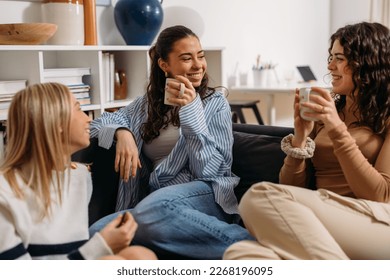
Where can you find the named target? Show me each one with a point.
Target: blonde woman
(43, 195)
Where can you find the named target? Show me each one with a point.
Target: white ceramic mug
(304, 96)
(167, 94)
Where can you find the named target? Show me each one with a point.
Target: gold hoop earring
(166, 74)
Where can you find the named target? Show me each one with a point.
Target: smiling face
(79, 127)
(341, 73)
(187, 58)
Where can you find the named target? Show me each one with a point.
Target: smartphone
(304, 96)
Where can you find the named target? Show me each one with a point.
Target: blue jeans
(183, 220)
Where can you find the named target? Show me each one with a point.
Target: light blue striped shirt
(202, 152)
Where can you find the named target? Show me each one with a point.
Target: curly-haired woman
(348, 215)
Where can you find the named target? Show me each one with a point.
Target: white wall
(284, 32)
(348, 12)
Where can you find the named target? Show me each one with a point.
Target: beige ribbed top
(353, 162)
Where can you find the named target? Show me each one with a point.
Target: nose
(89, 118)
(197, 63)
(331, 64)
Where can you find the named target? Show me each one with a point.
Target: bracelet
(301, 153)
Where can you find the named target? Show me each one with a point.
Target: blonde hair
(38, 140)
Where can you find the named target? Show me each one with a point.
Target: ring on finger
(181, 90)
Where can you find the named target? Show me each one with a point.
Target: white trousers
(296, 223)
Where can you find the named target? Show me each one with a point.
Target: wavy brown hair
(367, 49)
(159, 115)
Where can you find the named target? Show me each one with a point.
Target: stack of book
(73, 78)
(7, 92)
(81, 93)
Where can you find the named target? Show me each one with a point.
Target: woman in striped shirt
(176, 158)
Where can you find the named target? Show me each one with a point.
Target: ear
(163, 65)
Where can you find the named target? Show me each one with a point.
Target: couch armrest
(269, 130)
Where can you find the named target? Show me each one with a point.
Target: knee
(152, 210)
(153, 217)
(242, 250)
(100, 224)
(162, 206)
(137, 253)
(259, 196)
(250, 199)
(233, 252)
(111, 257)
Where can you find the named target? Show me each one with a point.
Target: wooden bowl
(26, 33)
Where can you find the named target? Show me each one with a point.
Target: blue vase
(138, 21)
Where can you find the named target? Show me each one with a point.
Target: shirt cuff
(95, 248)
(106, 135)
(191, 121)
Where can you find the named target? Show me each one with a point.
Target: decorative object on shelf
(138, 21)
(120, 85)
(26, 33)
(69, 17)
(90, 33)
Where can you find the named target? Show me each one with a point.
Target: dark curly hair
(159, 115)
(367, 49)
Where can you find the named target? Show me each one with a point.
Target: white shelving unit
(28, 63)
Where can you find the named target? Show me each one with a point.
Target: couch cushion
(104, 179)
(256, 158)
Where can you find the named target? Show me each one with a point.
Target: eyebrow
(339, 54)
(201, 51)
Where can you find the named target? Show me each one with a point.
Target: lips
(336, 77)
(194, 76)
